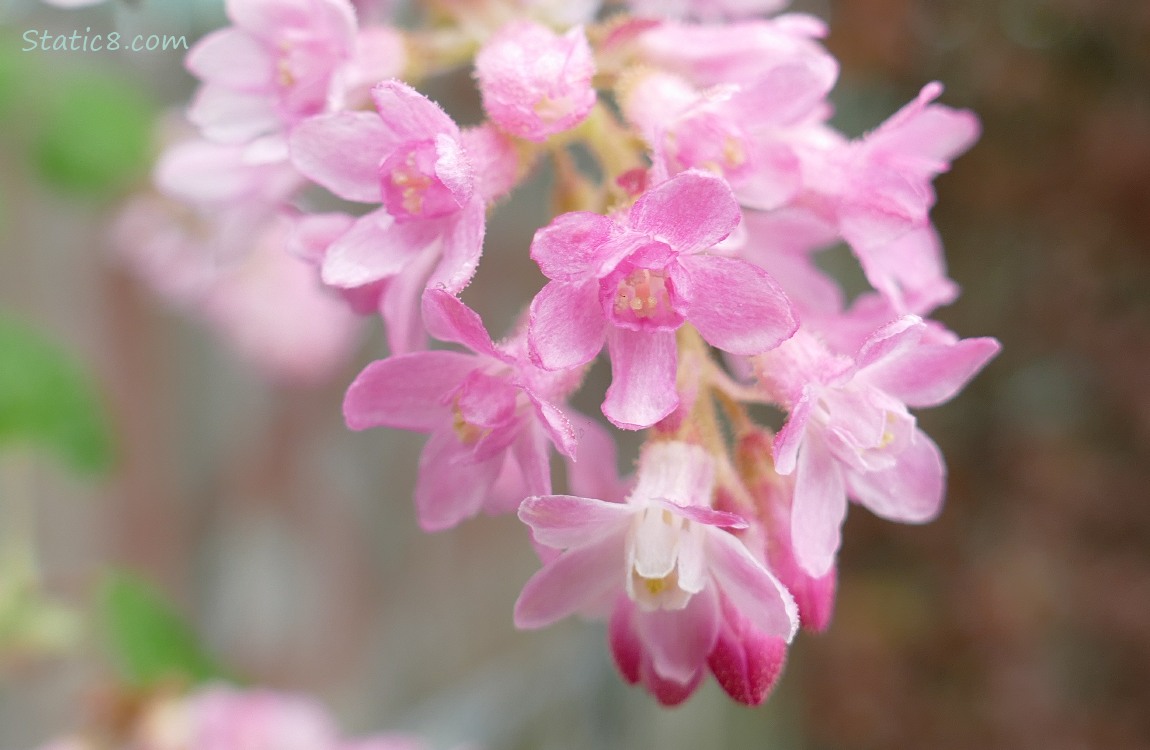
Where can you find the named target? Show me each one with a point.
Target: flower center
(653, 582)
(410, 187)
(643, 298)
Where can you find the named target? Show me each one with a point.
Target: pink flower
(411, 157)
(489, 413)
(534, 82)
(849, 431)
(711, 54)
(224, 718)
(712, 10)
(666, 560)
(633, 282)
(277, 65)
(743, 133)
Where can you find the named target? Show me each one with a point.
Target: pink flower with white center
(412, 158)
(487, 412)
(665, 557)
(849, 431)
(534, 82)
(278, 64)
(632, 282)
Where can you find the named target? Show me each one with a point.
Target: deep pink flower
(488, 412)
(664, 558)
(633, 281)
(534, 82)
(849, 431)
(412, 158)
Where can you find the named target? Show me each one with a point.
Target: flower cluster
(687, 255)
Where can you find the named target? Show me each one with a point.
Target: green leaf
(95, 134)
(149, 642)
(46, 399)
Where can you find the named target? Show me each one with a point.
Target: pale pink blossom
(279, 63)
(707, 10)
(488, 412)
(632, 281)
(665, 558)
(849, 430)
(744, 133)
(411, 157)
(536, 83)
(734, 53)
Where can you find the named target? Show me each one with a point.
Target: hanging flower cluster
(685, 257)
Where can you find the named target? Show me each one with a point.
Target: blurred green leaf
(149, 642)
(46, 399)
(95, 134)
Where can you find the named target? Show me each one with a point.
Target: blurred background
(1020, 619)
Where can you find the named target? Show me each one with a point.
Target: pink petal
(533, 455)
(567, 325)
(448, 319)
(571, 581)
(313, 234)
(750, 587)
(736, 306)
(409, 114)
(462, 246)
(342, 152)
(911, 491)
(376, 247)
(453, 168)
(451, 486)
(819, 509)
(400, 303)
(643, 367)
(691, 212)
(406, 392)
(554, 424)
(569, 248)
(231, 116)
(232, 58)
(563, 521)
(626, 648)
(910, 271)
(746, 663)
(706, 516)
(678, 641)
(931, 374)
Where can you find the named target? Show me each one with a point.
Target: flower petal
(376, 247)
(750, 587)
(691, 212)
(820, 507)
(571, 581)
(911, 491)
(563, 521)
(233, 58)
(678, 641)
(737, 306)
(448, 319)
(410, 115)
(406, 392)
(342, 152)
(567, 326)
(790, 437)
(451, 486)
(462, 246)
(568, 249)
(931, 374)
(643, 366)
